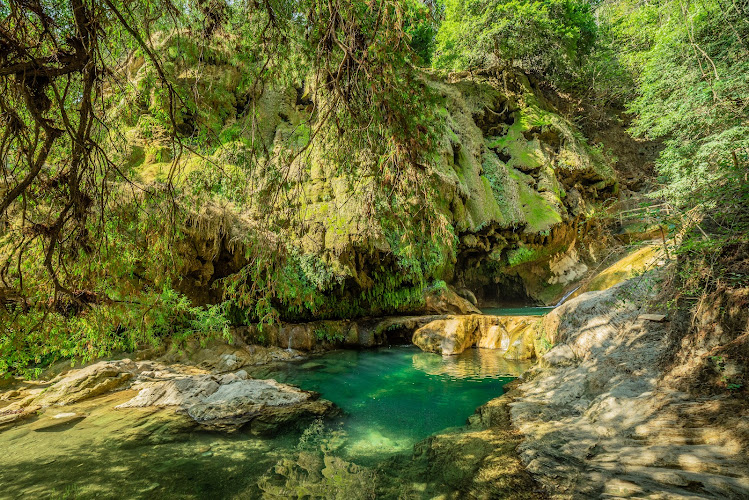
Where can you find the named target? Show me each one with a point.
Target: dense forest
(141, 144)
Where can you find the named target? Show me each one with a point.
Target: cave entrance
(508, 292)
(399, 335)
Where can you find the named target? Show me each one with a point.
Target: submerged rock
(313, 474)
(477, 461)
(12, 414)
(57, 422)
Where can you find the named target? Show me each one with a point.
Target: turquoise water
(517, 311)
(394, 397)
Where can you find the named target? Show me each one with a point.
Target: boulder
(182, 392)
(492, 333)
(88, 382)
(468, 295)
(515, 336)
(447, 336)
(229, 402)
(447, 301)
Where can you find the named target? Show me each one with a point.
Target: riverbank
(602, 417)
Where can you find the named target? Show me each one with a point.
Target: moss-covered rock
(505, 184)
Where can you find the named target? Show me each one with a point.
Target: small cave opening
(456, 154)
(495, 121)
(508, 292)
(398, 335)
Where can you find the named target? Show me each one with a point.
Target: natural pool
(395, 397)
(391, 398)
(517, 311)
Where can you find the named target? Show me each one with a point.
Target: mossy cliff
(499, 208)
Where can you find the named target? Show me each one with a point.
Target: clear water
(392, 398)
(517, 311)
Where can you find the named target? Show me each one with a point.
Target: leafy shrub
(549, 37)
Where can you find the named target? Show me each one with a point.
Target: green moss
(521, 255)
(549, 294)
(301, 135)
(540, 214)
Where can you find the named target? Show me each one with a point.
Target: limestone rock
(599, 422)
(318, 335)
(183, 392)
(219, 356)
(658, 318)
(237, 403)
(559, 355)
(448, 301)
(468, 295)
(229, 402)
(12, 414)
(492, 334)
(88, 382)
(447, 336)
(513, 335)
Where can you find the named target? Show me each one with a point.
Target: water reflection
(473, 364)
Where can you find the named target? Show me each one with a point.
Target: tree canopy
(547, 37)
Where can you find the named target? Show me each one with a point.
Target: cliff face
(500, 208)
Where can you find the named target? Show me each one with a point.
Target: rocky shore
(218, 402)
(599, 419)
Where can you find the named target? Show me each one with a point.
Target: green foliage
(687, 68)
(39, 338)
(719, 364)
(294, 286)
(550, 37)
(520, 255)
(692, 92)
(421, 25)
(326, 334)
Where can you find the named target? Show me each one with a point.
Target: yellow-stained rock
(447, 336)
(514, 335)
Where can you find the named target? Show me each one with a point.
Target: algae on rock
(497, 181)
